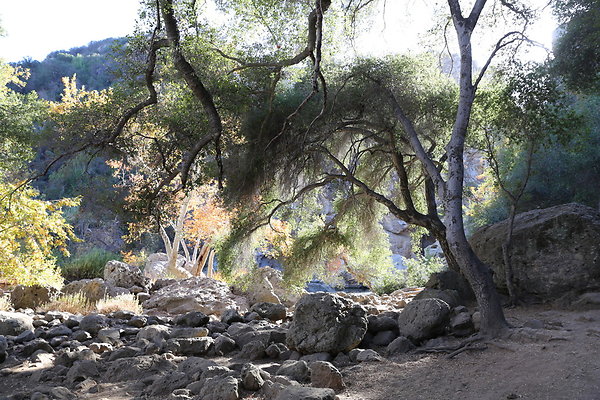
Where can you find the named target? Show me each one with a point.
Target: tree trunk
(506, 250)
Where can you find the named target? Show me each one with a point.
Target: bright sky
(37, 27)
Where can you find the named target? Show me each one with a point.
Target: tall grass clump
(122, 302)
(76, 303)
(5, 304)
(88, 265)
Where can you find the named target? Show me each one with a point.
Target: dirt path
(562, 362)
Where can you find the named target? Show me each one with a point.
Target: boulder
(93, 323)
(220, 388)
(423, 319)
(206, 295)
(13, 324)
(251, 377)
(117, 273)
(94, 289)
(324, 322)
(555, 251)
(268, 287)
(451, 280)
(450, 296)
(272, 311)
(297, 370)
(31, 296)
(400, 345)
(156, 265)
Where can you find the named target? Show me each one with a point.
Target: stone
(25, 336)
(72, 321)
(384, 338)
(189, 332)
(100, 348)
(316, 357)
(94, 289)
(254, 350)
(231, 316)
(461, 324)
(196, 346)
(168, 383)
(154, 333)
(297, 370)
(271, 311)
(156, 265)
(251, 377)
(305, 393)
(92, 323)
(451, 280)
(586, 301)
(31, 296)
(380, 323)
(13, 323)
(220, 388)
(82, 370)
(368, 355)
(61, 393)
(81, 336)
(450, 296)
(117, 273)
(137, 368)
(400, 345)
(423, 319)
(277, 350)
(206, 295)
(224, 345)
(326, 323)
(555, 251)
(59, 330)
(137, 321)
(324, 375)
(342, 360)
(124, 352)
(195, 365)
(268, 286)
(193, 319)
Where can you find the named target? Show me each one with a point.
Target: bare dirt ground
(562, 362)
(559, 361)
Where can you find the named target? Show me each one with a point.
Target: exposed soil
(562, 362)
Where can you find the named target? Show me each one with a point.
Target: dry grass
(76, 303)
(5, 304)
(123, 302)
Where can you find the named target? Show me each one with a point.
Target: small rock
(305, 393)
(400, 345)
(14, 324)
(251, 377)
(109, 335)
(368, 356)
(60, 330)
(384, 338)
(277, 351)
(197, 346)
(100, 348)
(154, 333)
(81, 336)
(224, 345)
(230, 316)
(297, 370)
(93, 323)
(271, 311)
(324, 375)
(254, 350)
(36, 345)
(193, 319)
(137, 321)
(25, 336)
(317, 357)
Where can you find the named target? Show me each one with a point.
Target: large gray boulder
(555, 251)
(206, 295)
(325, 322)
(31, 296)
(117, 273)
(156, 265)
(424, 319)
(13, 324)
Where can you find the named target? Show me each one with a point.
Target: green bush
(88, 265)
(420, 268)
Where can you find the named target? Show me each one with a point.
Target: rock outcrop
(117, 273)
(555, 251)
(31, 296)
(325, 322)
(206, 295)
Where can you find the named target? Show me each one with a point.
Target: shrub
(390, 282)
(122, 302)
(419, 269)
(76, 303)
(88, 265)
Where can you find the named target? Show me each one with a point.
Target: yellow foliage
(30, 230)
